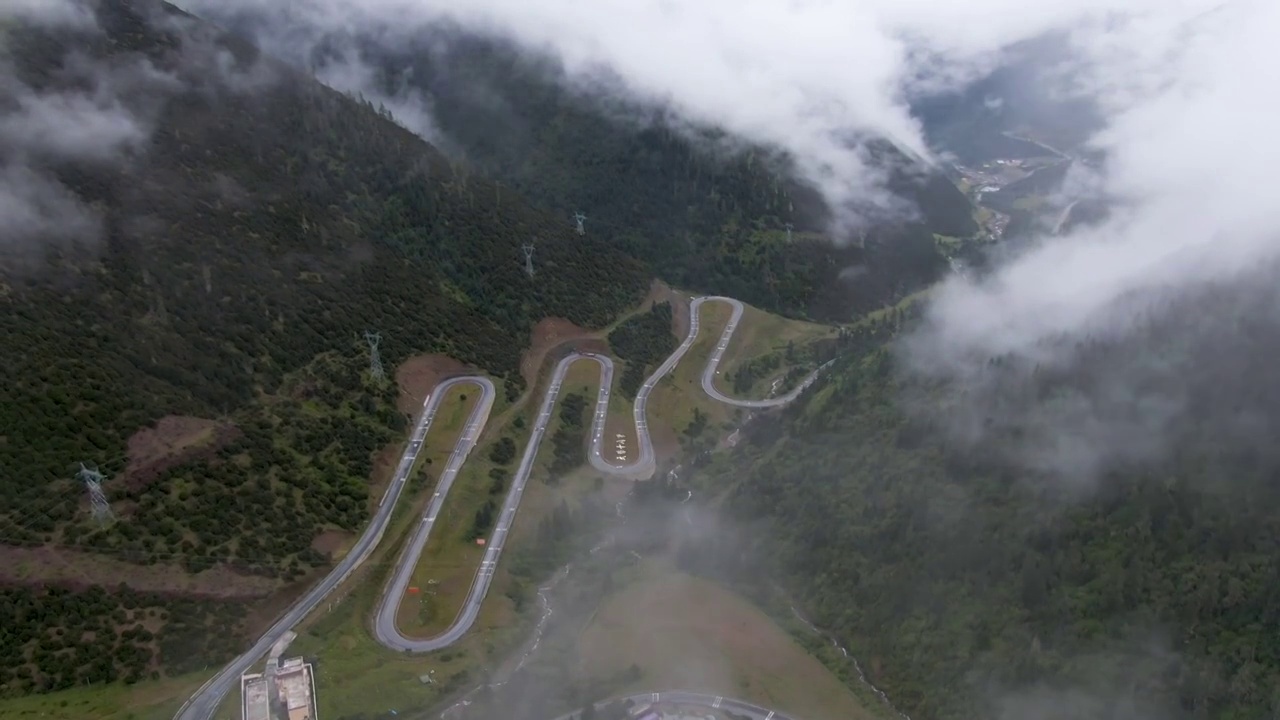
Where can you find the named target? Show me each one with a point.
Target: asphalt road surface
(385, 629)
(205, 702)
(682, 697)
(713, 364)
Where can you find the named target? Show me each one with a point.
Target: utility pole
(579, 217)
(375, 360)
(92, 480)
(528, 258)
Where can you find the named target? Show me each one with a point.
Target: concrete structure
(284, 691)
(253, 697)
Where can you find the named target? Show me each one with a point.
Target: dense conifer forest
(256, 227)
(703, 213)
(964, 578)
(643, 341)
(242, 248)
(703, 210)
(257, 230)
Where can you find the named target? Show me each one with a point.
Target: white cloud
(350, 74)
(73, 125)
(50, 13)
(37, 208)
(1184, 86)
(805, 75)
(89, 114)
(1191, 152)
(1188, 98)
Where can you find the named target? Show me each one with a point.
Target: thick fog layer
(1188, 150)
(1183, 87)
(815, 78)
(58, 13)
(85, 119)
(89, 114)
(1189, 163)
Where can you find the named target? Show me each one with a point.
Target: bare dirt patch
(591, 345)
(549, 333)
(660, 292)
(332, 543)
(418, 375)
(561, 335)
(71, 568)
(175, 440)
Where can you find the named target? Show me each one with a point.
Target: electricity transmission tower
(92, 480)
(788, 227)
(579, 217)
(528, 259)
(375, 360)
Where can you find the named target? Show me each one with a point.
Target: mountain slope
(972, 581)
(702, 209)
(257, 229)
(683, 198)
(226, 229)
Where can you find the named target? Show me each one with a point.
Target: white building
(285, 691)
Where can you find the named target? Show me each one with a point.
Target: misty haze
(639, 360)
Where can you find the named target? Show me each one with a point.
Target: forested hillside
(977, 579)
(200, 237)
(257, 229)
(704, 211)
(703, 216)
(218, 222)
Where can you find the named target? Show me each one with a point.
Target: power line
(44, 507)
(375, 360)
(529, 259)
(92, 480)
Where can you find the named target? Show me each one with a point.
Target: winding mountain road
(205, 702)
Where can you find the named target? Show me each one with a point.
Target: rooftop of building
(293, 686)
